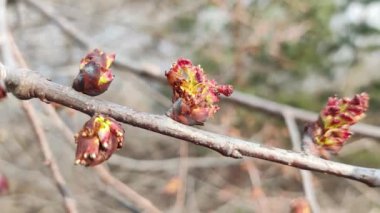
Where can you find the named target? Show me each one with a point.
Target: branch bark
(240, 98)
(102, 172)
(69, 202)
(30, 84)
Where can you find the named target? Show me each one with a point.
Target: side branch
(27, 85)
(70, 203)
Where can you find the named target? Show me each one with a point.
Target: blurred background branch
(246, 100)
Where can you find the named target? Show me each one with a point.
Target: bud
(99, 138)
(95, 74)
(331, 131)
(194, 96)
(4, 185)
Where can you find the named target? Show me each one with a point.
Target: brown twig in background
(29, 84)
(84, 40)
(275, 108)
(182, 175)
(257, 192)
(50, 161)
(69, 202)
(120, 199)
(239, 71)
(364, 144)
(107, 177)
(170, 164)
(240, 98)
(103, 173)
(192, 204)
(306, 176)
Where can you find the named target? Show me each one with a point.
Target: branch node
(230, 151)
(236, 154)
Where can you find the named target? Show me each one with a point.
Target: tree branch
(69, 202)
(27, 85)
(102, 172)
(306, 176)
(251, 101)
(240, 98)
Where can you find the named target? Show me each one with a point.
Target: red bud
(331, 131)
(99, 138)
(94, 76)
(194, 96)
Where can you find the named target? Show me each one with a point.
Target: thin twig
(236, 16)
(50, 161)
(170, 164)
(364, 144)
(29, 84)
(182, 174)
(69, 202)
(240, 98)
(251, 101)
(254, 176)
(306, 176)
(121, 199)
(192, 200)
(5, 47)
(108, 178)
(100, 170)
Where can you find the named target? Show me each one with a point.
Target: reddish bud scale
(99, 138)
(95, 74)
(331, 131)
(194, 96)
(3, 93)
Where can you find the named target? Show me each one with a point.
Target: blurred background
(289, 51)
